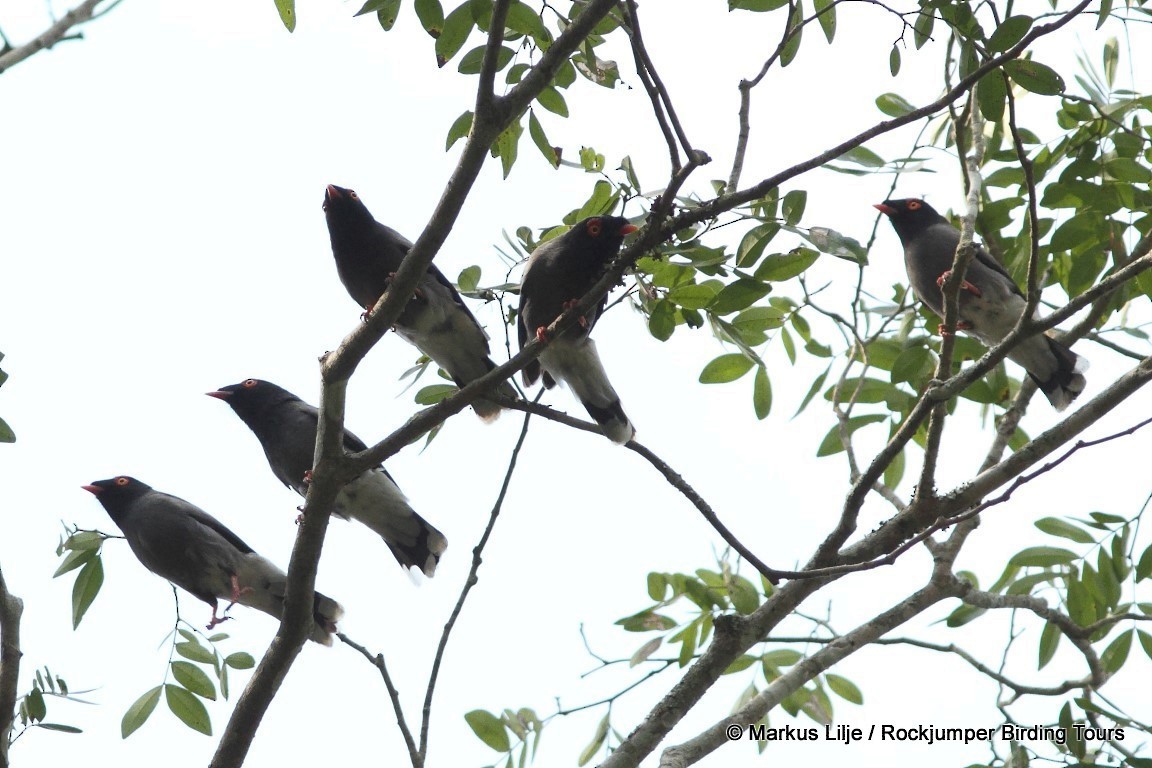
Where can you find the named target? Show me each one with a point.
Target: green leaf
(73, 560)
(469, 279)
(194, 679)
(827, 17)
(189, 709)
(1111, 57)
(459, 130)
(796, 33)
(761, 395)
(1127, 169)
(139, 712)
(738, 295)
(992, 96)
(1116, 653)
(725, 368)
(1144, 567)
(1145, 642)
(593, 747)
(431, 15)
(742, 663)
(34, 704)
(434, 393)
(753, 243)
(60, 728)
(551, 100)
(457, 27)
(792, 206)
(922, 29)
(757, 6)
(1049, 640)
(1042, 557)
(693, 296)
(783, 266)
(85, 589)
(489, 729)
(506, 146)
(551, 153)
(831, 443)
(894, 61)
(240, 660)
(644, 651)
(472, 62)
(1034, 76)
(662, 320)
(844, 688)
(287, 11)
(195, 652)
(657, 586)
(1010, 32)
(6, 433)
(527, 22)
(894, 105)
(913, 364)
(842, 247)
(646, 621)
(387, 13)
(1062, 528)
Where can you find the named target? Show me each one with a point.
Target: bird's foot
(217, 619)
(367, 313)
(582, 320)
(542, 334)
(307, 477)
(963, 325)
(964, 286)
(237, 592)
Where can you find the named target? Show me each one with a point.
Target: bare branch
(59, 31)
(393, 694)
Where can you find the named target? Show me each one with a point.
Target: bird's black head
(117, 493)
(343, 208)
(601, 234)
(909, 216)
(251, 396)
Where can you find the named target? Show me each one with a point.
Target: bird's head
(116, 492)
(909, 215)
(343, 206)
(602, 233)
(250, 395)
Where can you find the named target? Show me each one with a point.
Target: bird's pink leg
(542, 333)
(237, 592)
(217, 619)
(963, 325)
(582, 320)
(965, 285)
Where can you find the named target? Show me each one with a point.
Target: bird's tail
(466, 363)
(263, 586)
(374, 500)
(1057, 370)
(580, 368)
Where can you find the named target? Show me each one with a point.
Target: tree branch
(79, 15)
(11, 608)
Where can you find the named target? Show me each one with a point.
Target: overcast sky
(163, 237)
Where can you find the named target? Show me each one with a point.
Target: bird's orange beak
(628, 229)
(219, 395)
(92, 489)
(887, 210)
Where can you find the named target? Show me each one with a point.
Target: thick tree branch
(11, 608)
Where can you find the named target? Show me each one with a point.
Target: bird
(286, 427)
(559, 272)
(990, 300)
(436, 320)
(182, 543)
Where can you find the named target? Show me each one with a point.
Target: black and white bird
(990, 301)
(559, 272)
(286, 427)
(436, 320)
(185, 545)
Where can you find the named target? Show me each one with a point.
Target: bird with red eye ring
(436, 320)
(182, 543)
(559, 272)
(990, 302)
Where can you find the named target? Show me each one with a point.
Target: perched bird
(286, 426)
(184, 544)
(990, 301)
(436, 320)
(559, 272)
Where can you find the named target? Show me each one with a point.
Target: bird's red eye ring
(913, 205)
(121, 481)
(249, 383)
(353, 195)
(594, 227)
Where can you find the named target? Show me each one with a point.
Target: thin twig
(378, 662)
(59, 31)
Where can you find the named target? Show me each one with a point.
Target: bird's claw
(964, 285)
(542, 334)
(582, 320)
(216, 620)
(962, 325)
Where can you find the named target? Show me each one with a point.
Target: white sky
(163, 237)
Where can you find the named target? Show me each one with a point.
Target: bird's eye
(913, 205)
(249, 383)
(593, 228)
(353, 195)
(121, 481)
